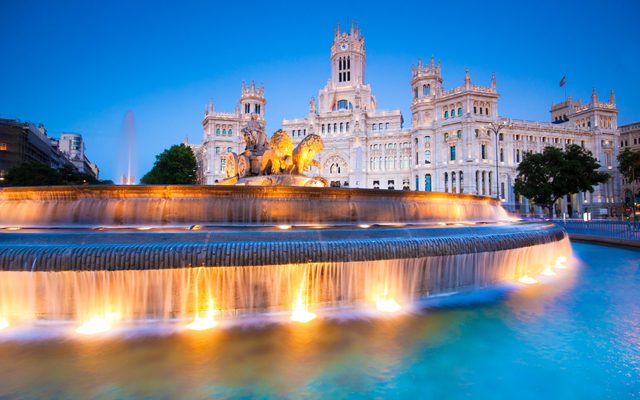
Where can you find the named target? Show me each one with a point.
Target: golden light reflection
(364, 226)
(13, 228)
(301, 311)
(561, 262)
(143, 228)
(284, 227)
(527, 280)
(387, 305)
(548, 271)
(203, 323)
(94, 326)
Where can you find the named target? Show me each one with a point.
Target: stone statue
(273, 162)
(278, 158)
(304, 153)
(254, 137)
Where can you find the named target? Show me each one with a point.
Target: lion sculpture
(277, 159)
(304, 153)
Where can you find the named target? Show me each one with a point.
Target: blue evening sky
(79, 66)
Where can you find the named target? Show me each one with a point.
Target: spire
(493, 79)
(612, 97)
(337, 30)
(432, 64)
(210, 105)
(467, 78)
(594, 96)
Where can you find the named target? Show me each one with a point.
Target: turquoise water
(577, 336)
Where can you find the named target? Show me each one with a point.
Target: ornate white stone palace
(448, 148)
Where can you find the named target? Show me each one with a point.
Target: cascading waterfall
(183, 293)
(291, 250)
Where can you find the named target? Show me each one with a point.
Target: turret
(612, 98)
(426, 83)
(594, 96)
(348, 57)
(252, 101)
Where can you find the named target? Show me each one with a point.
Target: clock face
(344, 46)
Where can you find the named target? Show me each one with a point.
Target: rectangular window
(3, 146)
(483, 151)
(390, 184)
(452, 153)
(347, 127)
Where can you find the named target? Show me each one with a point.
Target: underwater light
(283, 227)
(364, 226)
(93, 326)
(202, 324)
(548, 271)
(387, 305)
(526, 279)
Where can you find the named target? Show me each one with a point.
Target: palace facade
(449, 146)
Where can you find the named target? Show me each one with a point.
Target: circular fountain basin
(179, 252)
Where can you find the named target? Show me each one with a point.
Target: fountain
(268, 241)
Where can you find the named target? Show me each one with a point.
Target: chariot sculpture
(273, 162)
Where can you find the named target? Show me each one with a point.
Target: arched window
(218, 132)
(328, 128)
(460, 181)
(459, 133)
(501, 137)
(427, 183)
(224, 132)
(446, 182)
(459, 111)
(230, 132)
(217, 150)
(446, 136)
(427, 157)
(335, 127)
(341, 127)
(518, 155)
(228, 149)
(486, 111)
(347, 127)
(501, 154)
(480, 110)
(373, 127)
(380, 126)
(446, 114)
(343, 104)
(453, 182)
(452, 153)
(386, 125)
(415, 93)
(424, 91)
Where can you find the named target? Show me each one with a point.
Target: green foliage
(38, 174)
(176, 165)
(545, 177)
(629, 164)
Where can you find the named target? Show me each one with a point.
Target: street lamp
(496, 128)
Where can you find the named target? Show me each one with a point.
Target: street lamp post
(496, 128)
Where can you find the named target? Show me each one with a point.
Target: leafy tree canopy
(545, 177)
(38, 174)
(629, 164)
(175, 165)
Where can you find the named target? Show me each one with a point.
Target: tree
(32, 174)
(629, 164)
(175, 165)
(545, 177)
(39, 174)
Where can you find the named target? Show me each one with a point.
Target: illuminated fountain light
(387, 305)
(561, 262)
(13, 228)
(301, 311)
(527, 280)
(143, 228)
(98, 324)
(94, 326)
(4, 324)
(548, 271)
(283, 227)
(364, 226)
(203, 323)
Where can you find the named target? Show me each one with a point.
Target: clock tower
(347, 57)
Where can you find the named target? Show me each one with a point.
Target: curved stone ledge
(277, 249)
